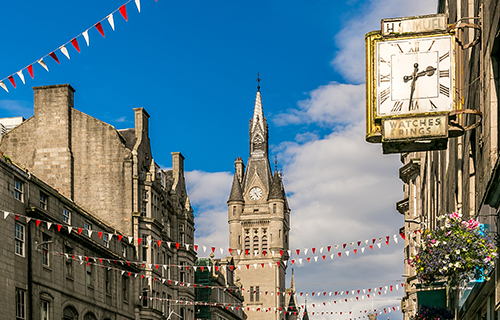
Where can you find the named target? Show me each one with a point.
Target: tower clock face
(414, 75)
(255, 193)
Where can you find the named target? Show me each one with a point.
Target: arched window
(247, 243)
(89, 316)
(70, 313)
(264, 243)
(255, 243)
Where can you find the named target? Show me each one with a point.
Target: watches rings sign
(414, 127)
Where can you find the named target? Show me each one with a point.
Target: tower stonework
(259, 223)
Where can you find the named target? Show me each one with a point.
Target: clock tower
(259, 222)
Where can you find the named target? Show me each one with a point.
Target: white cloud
(208, 192)
(330, 104)
(350, 58)
(15, 108)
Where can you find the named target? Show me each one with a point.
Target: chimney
(240, 168)
(177, 166)
(141, 123)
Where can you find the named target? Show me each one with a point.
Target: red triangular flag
(387, 242)
(195, 247)
(298, 251)
(340, 254)
(371, 247)
(38, 223)
(278, 263)
(159, 243)
(355, 251)
(248, 266)
(100, 234)
(345, 244)
(202, 267)
(402, 235)
(329, 247)
(30, 70)
(213, 249)
(59, 227)
(53, 56)
(373, 240)
(120, 237)
(74, 42)
(314, 250)
(99, 28)
(230, 250)
(324, 257)
(123, 11)
(79, 231)
(177, 245)
(262, 265)
(281, 253)
(293, 261)
(12, 81)
(139, 240)
(308, 259)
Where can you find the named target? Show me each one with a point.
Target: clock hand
(413, 79)
(429, 71)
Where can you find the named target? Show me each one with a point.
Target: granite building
(111, 173)
(259, 224)
(464, 178)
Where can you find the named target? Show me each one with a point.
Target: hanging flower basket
(454, 251)
(432, 313)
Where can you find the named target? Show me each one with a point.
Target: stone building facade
(112, 174)
(259, 223)
(222, 295)
(45, 273)
(465, 177)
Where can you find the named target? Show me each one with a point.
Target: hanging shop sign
(410, 83)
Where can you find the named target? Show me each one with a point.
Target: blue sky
(193, 66)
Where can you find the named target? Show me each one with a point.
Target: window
(274, 208)
(182, 275)
(124, 251)
(69, 261)
(89, 274)
(20, 304)
(44, 200)
(144, 253)
(105, 240)
(45, 250)
(251, 293)
(144, 205)
(70, 314)
(44, 310)
(264, 244)
(168, 267)
(255, 243)
(66, 216)
(279, 234)
(181, 234)
(239, 239)
(107, 279)
(19, 239)
(247, 244)
(257, 293)
(18, 190)
(234, 210)
(87, 227)
(145, 298)
(125, 287)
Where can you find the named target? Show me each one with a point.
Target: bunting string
(63, 48)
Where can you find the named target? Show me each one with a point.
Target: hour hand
(429, 71)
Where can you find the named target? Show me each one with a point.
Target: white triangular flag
(165, 266)
(239, 267)
(49, 224)
(110, 235)
(305, 251)
(42, 63)
(285, 262)
(366, 241)
(331, 256)
(221, 251)
(5, 214)
(209, 268)
(378, 244)
(90, 233)
(347, 253)
(204, 249)
(130, 239)
(321, 250)
(289, 252)
(86, 36)
(111, 21)
(300, 261)
(362, 249)
(64, 51)
(28, 219)
(224, 268)
(316, 258)
(138, 4)
(255, 265)
(168, 244)
(69, 229)
(395, 238)
(21, 75)
(187, 247)
(149, 241)
(3, 86)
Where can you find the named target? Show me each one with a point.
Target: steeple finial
(258, 82)
(276, 169)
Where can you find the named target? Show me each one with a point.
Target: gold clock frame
(374, 123)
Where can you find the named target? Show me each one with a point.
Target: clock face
(414, 75)
(255, 193)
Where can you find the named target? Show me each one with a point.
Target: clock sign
(414, 75)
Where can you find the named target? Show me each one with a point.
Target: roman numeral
(400, 48)
(431, 45)
(444, 73)
(385, 78)
(444, 90)
(414, 105)
(416, 49)
(384, 95)
(433, 106)
(383, 61)
(397, 106)
(444, 56)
